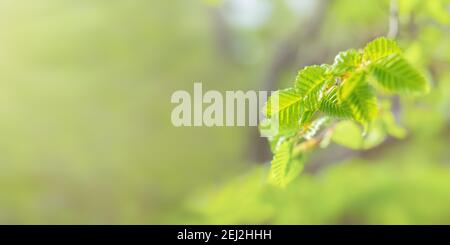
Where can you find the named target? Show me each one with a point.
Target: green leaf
(275, 135)
(287, 110)
(363, 103)
(375, 135)
(395, 74)
(342, 91)
(284, 168)
(350, 135)
(380, 48)
(389, 123)
(346, 61)
(331, 106)
(310, 82)
(306, 116)
(350, 84)
(359, 96)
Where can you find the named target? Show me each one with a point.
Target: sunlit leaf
(348, 134)
(346, 61)
(380, 48)
(363, 103)
(350, 84)
(284, 168)
(285, 107)
(395, 74)
(331, 106)
(310, 82)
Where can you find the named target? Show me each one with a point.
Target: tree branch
(339, 153)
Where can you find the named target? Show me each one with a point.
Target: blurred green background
(85, 130)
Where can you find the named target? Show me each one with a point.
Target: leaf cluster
(340, 102)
